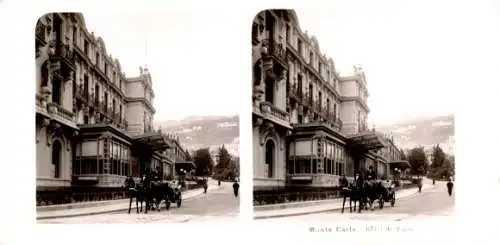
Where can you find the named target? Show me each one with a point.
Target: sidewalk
(305, 208)
(73, 210)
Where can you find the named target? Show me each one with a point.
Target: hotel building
(309, 123)
(93, 124)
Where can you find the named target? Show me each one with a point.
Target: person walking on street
(205, 186)
(236, 187)
(449, 185)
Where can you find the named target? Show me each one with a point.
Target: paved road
(431, 203)
(215, 205)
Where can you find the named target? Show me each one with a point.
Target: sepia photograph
(125, 132)
(350, 116)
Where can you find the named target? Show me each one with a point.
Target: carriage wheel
(179, 202)
(393, 200)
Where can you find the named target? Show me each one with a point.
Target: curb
(317, 211)
(301, 204)
(101, 212)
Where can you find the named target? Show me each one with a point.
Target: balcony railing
(269, 108)
(64, 51)
(317, 106)
(275, 49)
(296, 93)
(307, 99)
(81, 92)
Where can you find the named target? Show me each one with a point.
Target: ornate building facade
(93, 124)
(309, 123)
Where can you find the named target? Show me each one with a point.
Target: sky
(176, 46)
(405, 54)
(409, 50)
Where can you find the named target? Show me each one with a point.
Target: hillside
(205, 131)
(425, 132)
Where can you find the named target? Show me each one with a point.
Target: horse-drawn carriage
(153, 193)
(366, 193)
(175, 196)
(387, 194)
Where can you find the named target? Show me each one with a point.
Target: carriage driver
(371, 173)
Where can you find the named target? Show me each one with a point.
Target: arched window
(56, 158)
(270, 152)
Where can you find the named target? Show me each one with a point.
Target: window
(106, 69)
(311, 57)
(86, 47)
(288, 33)
(335, 111)
(299, 46)
(255, 32)
(97, 59)
(56, 90)
(75, 38)
(85, 84)
(56, 158)
(299, 81)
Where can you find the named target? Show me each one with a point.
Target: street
(431, 203)
(215, 205)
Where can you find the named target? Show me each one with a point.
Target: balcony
(295, 93)
(81, 93)
(55, 112)
(307, 100)
(317, 106)
(64, 54)
(275, 51)
(274, 114)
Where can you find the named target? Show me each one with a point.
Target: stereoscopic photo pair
(108, 151)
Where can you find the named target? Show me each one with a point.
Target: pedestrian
(449, 185)
(236, 187)
(219, 182)
(205, 186)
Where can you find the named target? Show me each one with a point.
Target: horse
(135, 190)
(350, 191)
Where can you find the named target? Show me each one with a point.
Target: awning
(403, 164)
(366, 141)
(154, 140)
(188, 165)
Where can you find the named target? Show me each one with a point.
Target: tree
(227, 167)
(443, 166)
(438, 161)
(203, 161)
(418, 161)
